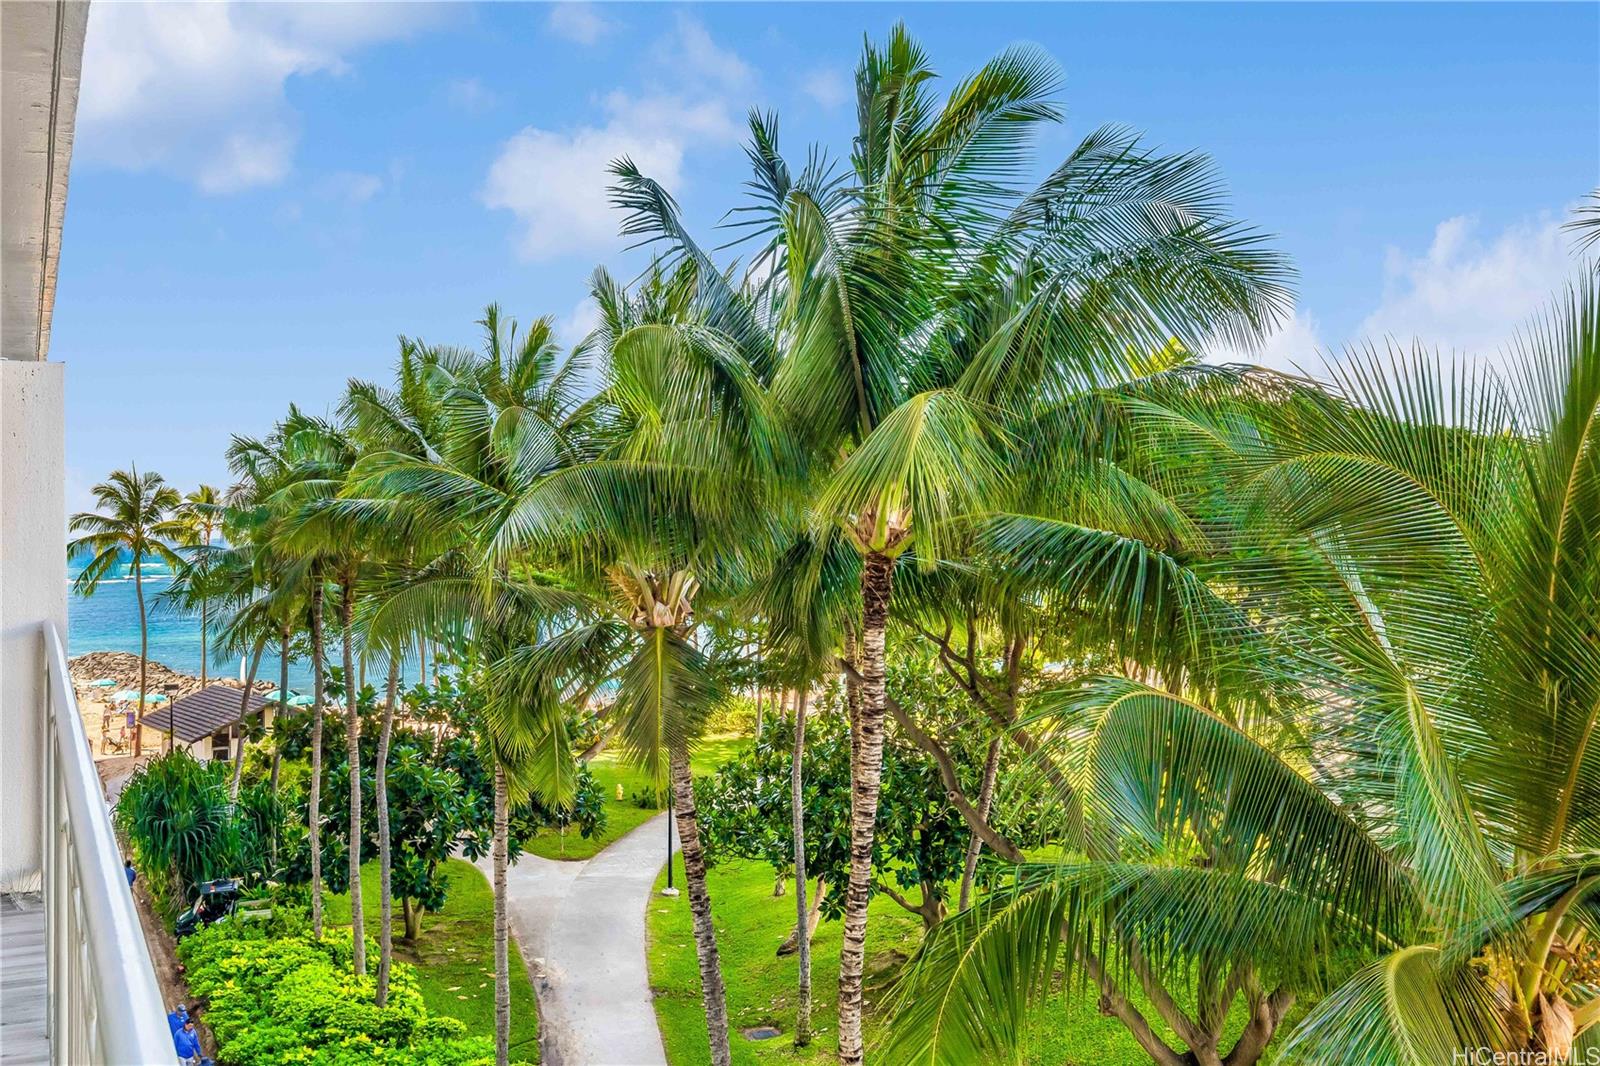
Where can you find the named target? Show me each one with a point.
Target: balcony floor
(22, 981)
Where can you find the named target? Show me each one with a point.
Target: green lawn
(751, 923)
(454, 955)
(623, 816)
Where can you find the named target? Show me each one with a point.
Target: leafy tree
(133, 522)
(920, 843)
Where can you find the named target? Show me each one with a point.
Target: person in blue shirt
(177, 1017)
(127, 868)
(187, 1043)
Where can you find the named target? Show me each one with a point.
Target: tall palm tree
(200, 515)
(283, 472)
(320, 529)
(452, 448)
(897, 377)
(133, 521)
(1424, 539)
(399, 421)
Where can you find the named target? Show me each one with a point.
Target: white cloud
(578, 22)
(691, 47)
(555, 181)
(826, 86)
(470, 94)
(351, 187)
(197, 90)
(579, 322)
(1468, 293)
(1295, 347)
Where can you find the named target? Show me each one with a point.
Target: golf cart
(213, 901)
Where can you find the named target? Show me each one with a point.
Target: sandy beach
(104, 722)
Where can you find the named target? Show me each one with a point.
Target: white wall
(33, 590)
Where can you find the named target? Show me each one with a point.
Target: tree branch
(996, 841)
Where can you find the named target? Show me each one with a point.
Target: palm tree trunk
(314, 802)
(352, 749)
(144, 659)
(866, 774)
(380, 796)
(502, 979)
(205, 617)
(991, 767)
(283, 707)
(244, 710)
(705, 935)
(802, 1021)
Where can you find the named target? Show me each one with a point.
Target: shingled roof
(211, 710)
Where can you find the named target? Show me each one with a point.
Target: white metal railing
(104, 1003)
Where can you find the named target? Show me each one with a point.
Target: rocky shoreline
(123, 668)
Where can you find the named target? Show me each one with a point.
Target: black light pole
(670, 815)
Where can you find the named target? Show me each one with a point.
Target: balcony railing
(104, 1003)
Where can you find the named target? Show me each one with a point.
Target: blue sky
(263, 196)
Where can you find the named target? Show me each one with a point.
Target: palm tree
(133, 521)
(283, 475)
(892, 366)
(200, 515)
(1424, 539)
(448, 453)
(343, 545)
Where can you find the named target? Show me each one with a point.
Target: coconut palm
(672, 498)
(133, 522)
(200, 516)
(451, 449)
(891, 365)
(1426, 537)
(273, 470)
(343, 546)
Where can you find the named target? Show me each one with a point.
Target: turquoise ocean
(109, 621)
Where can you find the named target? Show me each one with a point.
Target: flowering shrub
(276, 995)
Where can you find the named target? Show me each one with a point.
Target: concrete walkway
(581, 929)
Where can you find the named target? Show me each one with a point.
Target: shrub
(183, 827)
(277, 995)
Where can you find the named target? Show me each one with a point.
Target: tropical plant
(276, 994)
(134, 524)
(1425, 538)
(447, 454)
(184, 827)
(929, 292)
(199, 517)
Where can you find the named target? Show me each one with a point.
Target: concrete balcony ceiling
(41, 53)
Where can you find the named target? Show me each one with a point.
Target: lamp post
(671, 813)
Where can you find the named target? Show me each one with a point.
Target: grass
(454, 955)
(751, 923)
(623, 816)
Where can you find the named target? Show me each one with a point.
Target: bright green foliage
(184, 829)
(277, 995)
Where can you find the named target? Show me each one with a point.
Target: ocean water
(109, 621)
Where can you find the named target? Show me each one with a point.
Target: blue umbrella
(103, 682)
(129, 695)
(302, 701)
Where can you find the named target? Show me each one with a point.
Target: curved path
(581, 929)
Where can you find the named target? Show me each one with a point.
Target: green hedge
(276, 995)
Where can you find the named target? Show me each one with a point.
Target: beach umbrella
(275, 695)
(301, 701)
(129, 695)
(103, 682)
